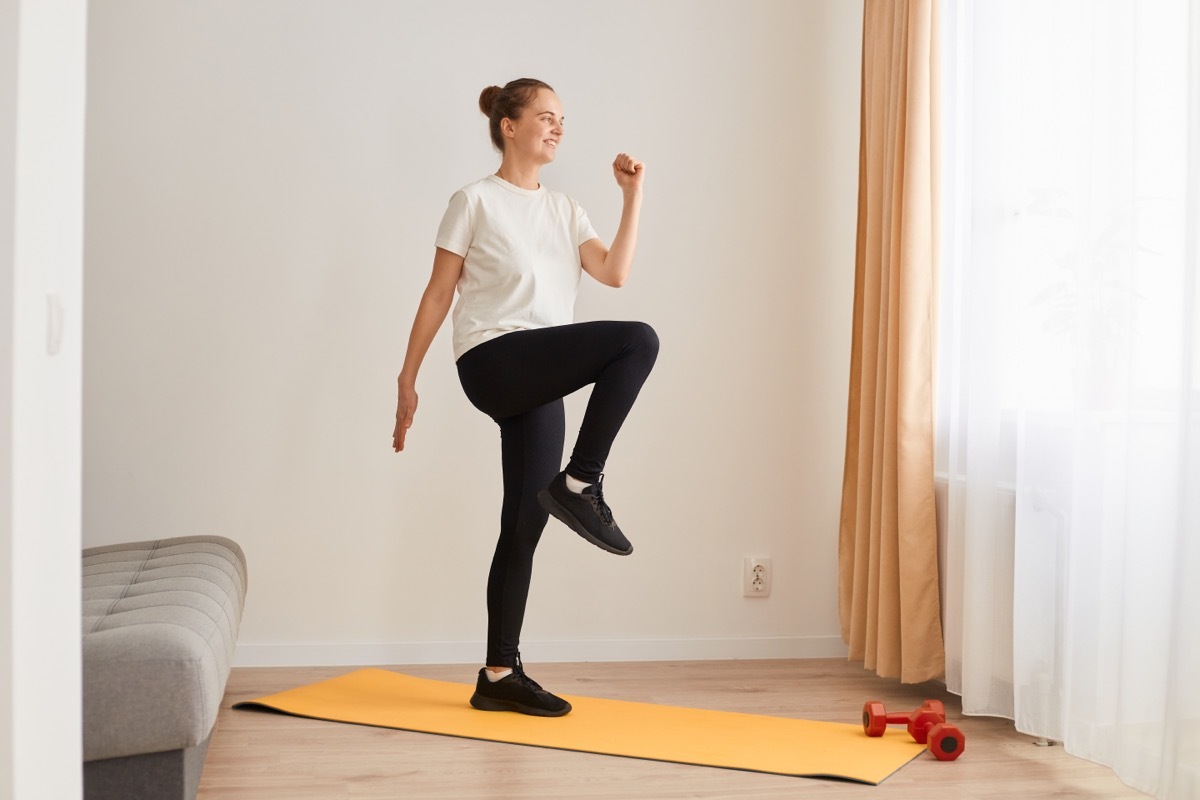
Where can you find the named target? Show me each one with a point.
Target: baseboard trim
(250, 654)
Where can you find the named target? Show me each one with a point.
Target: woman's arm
(435, 303)
(611, 266)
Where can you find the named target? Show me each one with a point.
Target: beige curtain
(887, 552)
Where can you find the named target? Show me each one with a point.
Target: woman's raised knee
(644, 338)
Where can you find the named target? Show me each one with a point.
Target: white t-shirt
(520, 250)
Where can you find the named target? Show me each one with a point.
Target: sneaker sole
(482, 703)
(567, 518)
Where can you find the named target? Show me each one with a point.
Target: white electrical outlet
(756, 577)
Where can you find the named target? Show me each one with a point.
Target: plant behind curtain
(1068, 417)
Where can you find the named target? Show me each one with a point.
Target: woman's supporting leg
(531, 454)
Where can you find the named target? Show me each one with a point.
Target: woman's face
(538, 132)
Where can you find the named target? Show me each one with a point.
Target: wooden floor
(261, 756)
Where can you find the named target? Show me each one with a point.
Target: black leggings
(519, 380)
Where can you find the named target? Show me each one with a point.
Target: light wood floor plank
(263, 756)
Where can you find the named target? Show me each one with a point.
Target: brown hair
(497, 103)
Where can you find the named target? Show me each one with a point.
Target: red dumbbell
(946, 741)
(927, 725)
(919, 722)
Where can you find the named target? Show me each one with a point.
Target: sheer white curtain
(1069, 376)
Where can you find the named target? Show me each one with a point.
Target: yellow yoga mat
(725, 739)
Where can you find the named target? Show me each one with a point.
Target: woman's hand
(406, 407)
(629, 172)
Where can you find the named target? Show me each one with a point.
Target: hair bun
(487, 98)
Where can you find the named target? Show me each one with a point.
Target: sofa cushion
(160, 621)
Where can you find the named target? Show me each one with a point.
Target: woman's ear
(507, 129)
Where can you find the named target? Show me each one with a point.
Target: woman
(514, 250)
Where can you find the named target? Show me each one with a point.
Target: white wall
(264, 183)
(9, 50)
(42, 82)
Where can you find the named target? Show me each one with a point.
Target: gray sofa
(160, 621)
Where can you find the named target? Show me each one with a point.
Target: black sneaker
(586, 513)
(516, 692)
